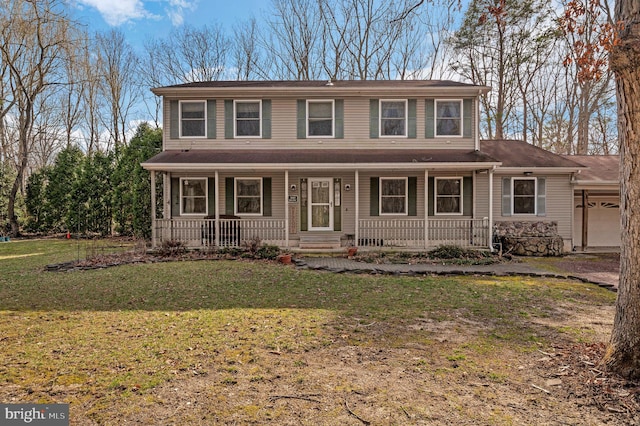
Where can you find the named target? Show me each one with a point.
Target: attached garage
(598, 187)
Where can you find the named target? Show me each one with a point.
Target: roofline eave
(168, 167)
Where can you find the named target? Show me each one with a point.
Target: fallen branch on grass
(346, 404)
(302, 397)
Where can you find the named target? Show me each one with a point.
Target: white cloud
(116, 12)
(176, 8)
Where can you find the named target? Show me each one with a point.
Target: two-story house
(324, 165)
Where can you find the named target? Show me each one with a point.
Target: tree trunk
(623, 356)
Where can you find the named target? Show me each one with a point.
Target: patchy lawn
(248, 342)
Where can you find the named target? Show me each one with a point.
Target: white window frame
(235, 117)
(237, 194)
(333, 117)
(406, 117)
(194, 101)
(206, 197)
(435, 196)
(535, 196)
(435, 118)
(406, 196)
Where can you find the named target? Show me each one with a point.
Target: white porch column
(286, 208)
(491, 170)
(153, 209)
(426, 209)
(356, 234)
(217, 208)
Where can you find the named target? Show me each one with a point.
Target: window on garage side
(524, 196)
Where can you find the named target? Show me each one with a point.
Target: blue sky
(142, 19)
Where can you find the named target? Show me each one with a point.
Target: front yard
(250, 342)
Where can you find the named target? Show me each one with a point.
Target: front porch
(411, 234)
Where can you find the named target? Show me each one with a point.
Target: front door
(321, 204)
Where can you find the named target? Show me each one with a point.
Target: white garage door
(604, 222)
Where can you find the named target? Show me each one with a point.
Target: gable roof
(520, 154)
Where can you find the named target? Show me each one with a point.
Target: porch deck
(412, 234)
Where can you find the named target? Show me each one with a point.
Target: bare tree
(119, 87)
(33, 40)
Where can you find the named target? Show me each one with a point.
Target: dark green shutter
(374, 120)
(228, 119)
(411, 124)
(266, 196)
(211, 196)
(302, 118)
(467, 118)
(337, 209)
(467, 196)
(175, 197)
(339, 119)
(374, 201)
(174, 119)
(506, 196)
(229, 197)
(304, 222)
(266, 119)
(412, 194)
(430, 195)
(429, 121)
(211, 119)
(541, 202)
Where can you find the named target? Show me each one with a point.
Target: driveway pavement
(607, 280)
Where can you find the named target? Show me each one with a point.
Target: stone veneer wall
(529, 238)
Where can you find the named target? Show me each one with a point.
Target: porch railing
(394, 232)
(471, 233)
(196, 233)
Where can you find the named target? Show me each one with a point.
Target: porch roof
(305, 159)
(603, 172)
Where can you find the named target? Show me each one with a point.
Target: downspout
(491, 170)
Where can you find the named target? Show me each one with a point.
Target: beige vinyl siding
(559, 203)
(284, 130)
(481, 198)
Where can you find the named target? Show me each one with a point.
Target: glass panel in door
(321, 205)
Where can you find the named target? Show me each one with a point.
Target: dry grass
(223, 342)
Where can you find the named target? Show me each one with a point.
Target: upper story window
(448, 117)
(393, 118)
(247, 121)
(524, 196)
(320, 118)
(193, 196)
(393, 196)
(448, 194)
(248, 196)
(193, 119)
